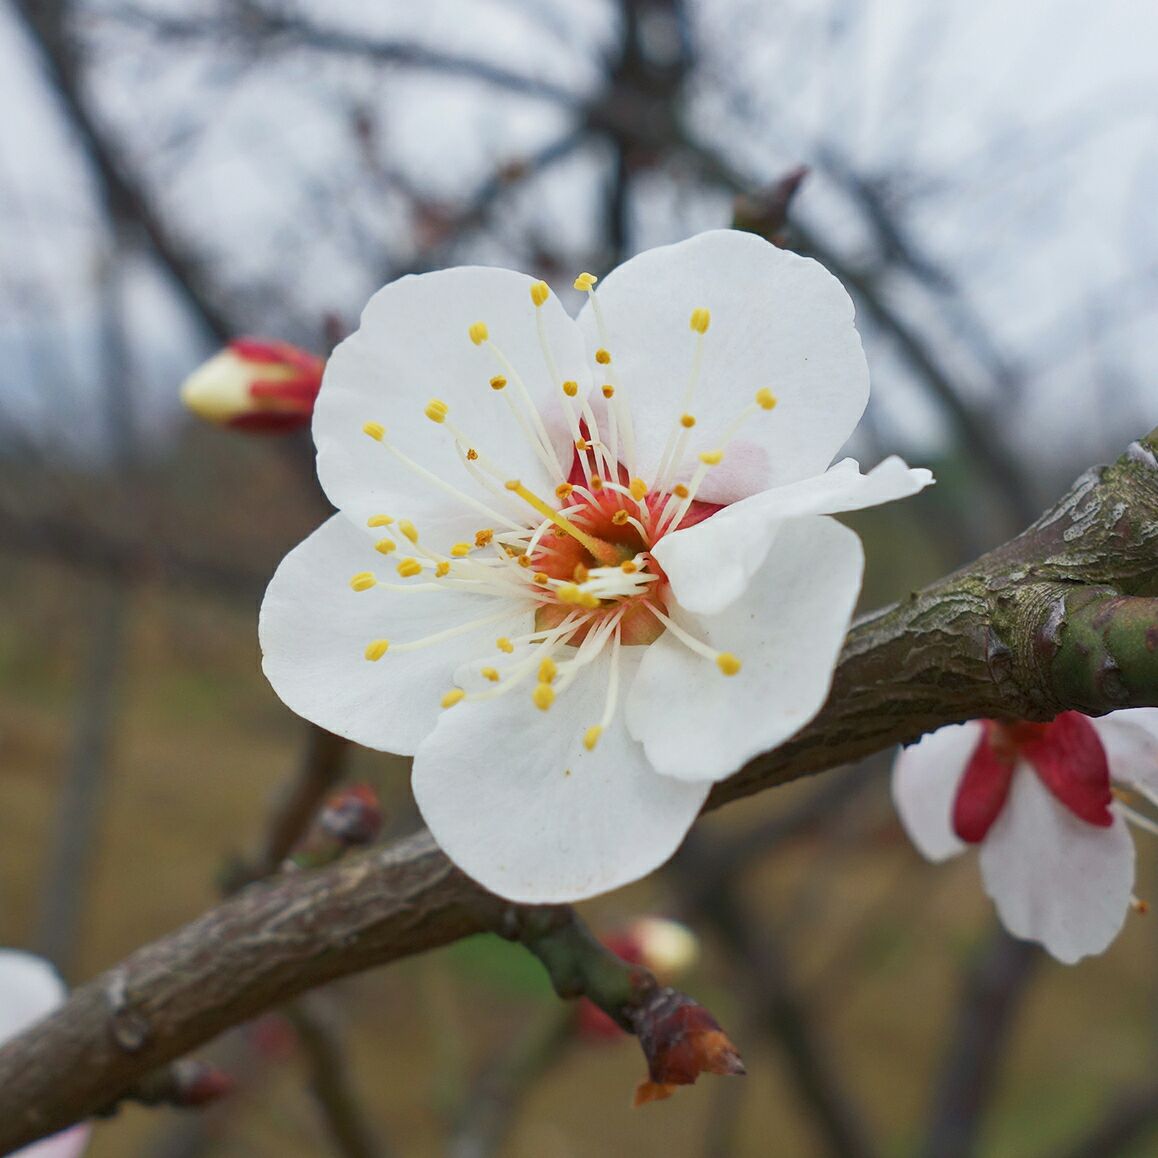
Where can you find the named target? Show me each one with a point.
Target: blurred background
(982, 176)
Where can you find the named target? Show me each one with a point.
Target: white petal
(786, 629)
(778, 320)
(925, 780)
(710, 564)
(314, 630)
(413, 346)
(1130, 738)
(29, 990)
(1055, 878)
(518, 803)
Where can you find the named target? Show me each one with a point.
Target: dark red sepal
(984, 788)
(1070, 761)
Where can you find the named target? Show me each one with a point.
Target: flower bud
(681, 1040)
(661, 945)
(256, 386)
(350, 818)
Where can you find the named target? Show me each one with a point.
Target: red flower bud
(662, 946)
(681, 1040)
(190, 1084)
(351, 818)
(256, 386)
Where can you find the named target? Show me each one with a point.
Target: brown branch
(995, 991)
(125, 197)
(991, 640)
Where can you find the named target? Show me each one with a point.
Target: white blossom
(581, 570)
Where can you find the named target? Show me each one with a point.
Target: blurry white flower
(29, 990)
(601, 544)
(1056, 856)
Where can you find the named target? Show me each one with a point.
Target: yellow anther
(542, 578)
(680, 491)
(548, 671)
(712, 457)
(568, 593)
(363, 581)
(580, 574)
(437, 410)
(489, 673)
(471, 454)
(460, 550)
(619, 518)
(385, 546)
(524, 560)
(765, 399)
(591, 737)
(596, 483)
(602, 356)
(727, 663)
(638, 488)
(409, 567)
(687, 421)
(608, 390)
(478, 333)
(376, 649)
(563, 490)
(452, 697)
(375, 430)
(570, 388)
(701, 319)
(504, 644)
(379, 521)
(599, 550)
(585, 281)
(483, 537)
(498, 382)
(543, 696)
(628, 567)
(407, 528)
(540, 291)
(441, 570)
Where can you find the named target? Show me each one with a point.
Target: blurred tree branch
(125, 198)
(993, 639)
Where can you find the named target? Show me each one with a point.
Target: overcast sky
(1018, 143)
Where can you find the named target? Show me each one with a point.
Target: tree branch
(1006, 636)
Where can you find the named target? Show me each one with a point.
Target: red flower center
(1066, 754)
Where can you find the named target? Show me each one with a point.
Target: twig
(82, 795)
(994, 991)
(140, 561)
(331, 1085)
(991, 640)
(320, 768)
(1126, 1123)
(759, 961)
(124, 196)
(485, 1119)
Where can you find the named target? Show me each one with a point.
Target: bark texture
(1064, 616)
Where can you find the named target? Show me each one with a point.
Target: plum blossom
(257, 386)
(581, 569)
(1055, 851)
(29, 990)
